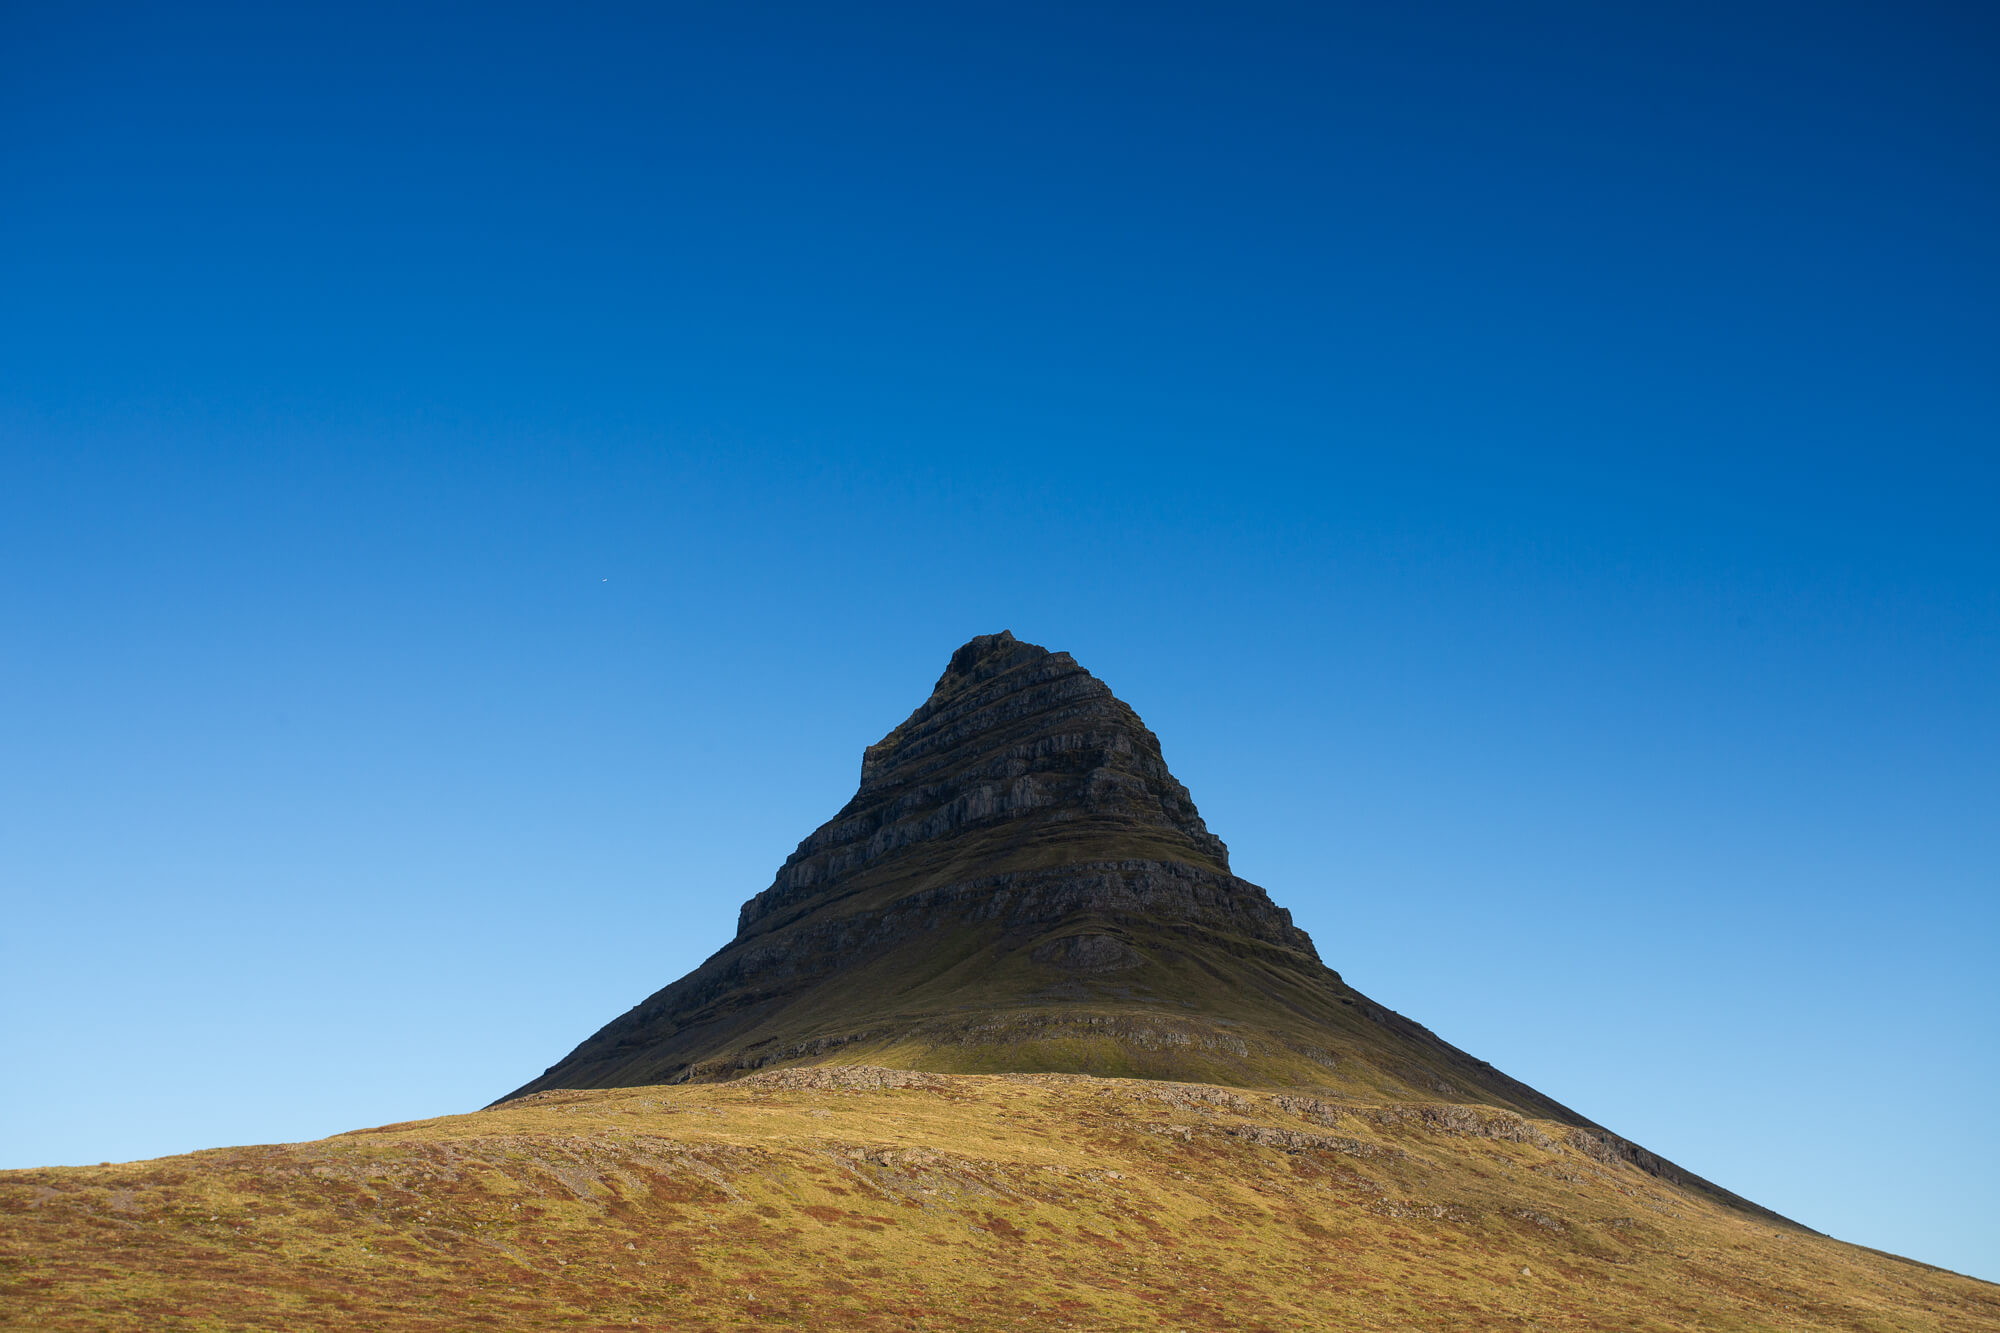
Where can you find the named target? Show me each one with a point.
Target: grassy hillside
(862, 1198)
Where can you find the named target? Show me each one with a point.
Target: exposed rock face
(1020, 884)
(1012, 734)
(1088, 953)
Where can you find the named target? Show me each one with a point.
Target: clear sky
(472, 481)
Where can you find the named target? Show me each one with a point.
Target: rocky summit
(1020, 885)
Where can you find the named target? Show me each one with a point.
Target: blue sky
(474, 480)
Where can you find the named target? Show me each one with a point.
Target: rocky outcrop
(842, 1078)
(1479, 1122)
(1088, 953)
(1012, 734)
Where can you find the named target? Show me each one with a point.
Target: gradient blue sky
(474, 480)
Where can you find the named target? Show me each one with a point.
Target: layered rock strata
(1013, 737)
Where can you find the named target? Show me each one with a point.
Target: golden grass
(834, 1199)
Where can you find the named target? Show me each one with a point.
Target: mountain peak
(985, 655)
(1018, 751)
(1019, 884)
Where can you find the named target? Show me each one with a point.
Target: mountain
(1021, 885)
(1005, 1045)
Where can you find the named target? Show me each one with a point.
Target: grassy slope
(814, 1198)
(944, 987)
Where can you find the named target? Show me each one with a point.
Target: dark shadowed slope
(1020, 885)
